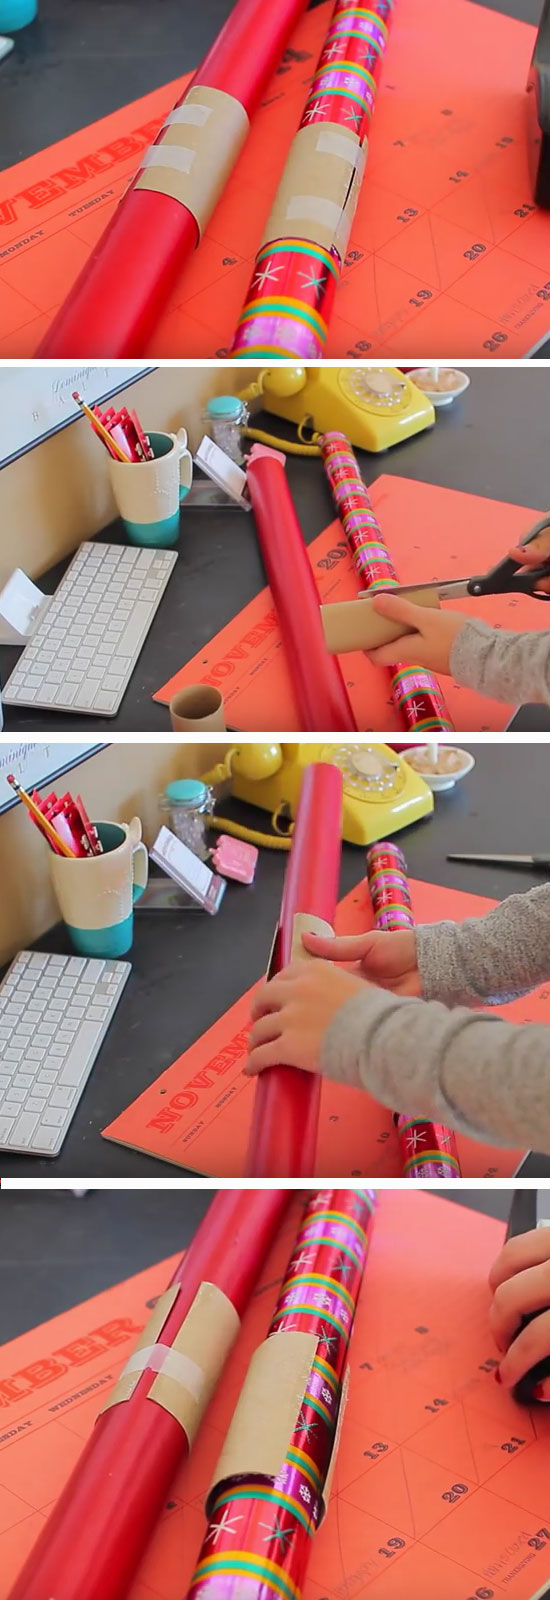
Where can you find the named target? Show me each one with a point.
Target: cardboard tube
(273, 1390)
(196, 151)
(198, 709)
(319, 189)
(355, 625)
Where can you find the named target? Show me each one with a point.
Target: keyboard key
(51, 1118)
(45, 1141)
(6, 1125)
(76, 1064)
(24, 1128)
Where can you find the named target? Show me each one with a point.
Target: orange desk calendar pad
(197, 1114)
(447, 253)
(431, 533)
(442, 1482)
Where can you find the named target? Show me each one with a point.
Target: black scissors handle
(507, 578)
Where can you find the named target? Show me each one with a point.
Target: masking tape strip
(175, 157)
(192, 115)
(210, 128)
(355, 625)
(333, 143)
(318, 192)
(203, 1344)
(305, 923)
(130, 1375)
(268, 1407)
(164, 1358)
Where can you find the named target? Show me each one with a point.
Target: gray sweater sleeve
(504, 666)
(491, 959)
(482, 1076)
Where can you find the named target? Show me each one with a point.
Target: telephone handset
(381, 792)
(375, 406)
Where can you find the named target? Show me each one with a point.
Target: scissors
(541, 863)
(506, 578)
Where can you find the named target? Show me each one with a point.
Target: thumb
(354, 947)
(399, 610)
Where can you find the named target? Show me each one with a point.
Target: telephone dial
(376, 407)
(381, 792)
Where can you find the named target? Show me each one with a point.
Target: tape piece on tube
(355, 625)
(197, 150)
(130, 1375)
(268, 1407)
(319, 189)
(201, 1346)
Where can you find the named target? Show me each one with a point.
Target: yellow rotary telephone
(376, 407)
(382, 793)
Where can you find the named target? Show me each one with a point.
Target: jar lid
(227, 406)
(186, 792)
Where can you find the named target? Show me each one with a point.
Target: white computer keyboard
(85, 649)
(54, 1014)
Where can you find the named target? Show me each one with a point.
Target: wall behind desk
(120, 782)
(59, 493)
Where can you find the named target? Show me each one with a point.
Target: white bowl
(439, 781)
(437, 397)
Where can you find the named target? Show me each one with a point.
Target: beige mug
(96, 894)
(149, 493)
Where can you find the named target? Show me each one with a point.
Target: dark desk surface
(189, 969)
(493, 442)
(58, 1250)
(79, 62)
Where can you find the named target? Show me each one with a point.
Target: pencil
(99, 429)
(47, 827)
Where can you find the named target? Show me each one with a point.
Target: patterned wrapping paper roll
(260, 1528)
(428, 1148)
(291, 295)
(414, 691)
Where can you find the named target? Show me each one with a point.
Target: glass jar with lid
(186, 804)
(226, 416)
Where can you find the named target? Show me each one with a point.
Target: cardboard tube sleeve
(319, 189)
(186, 1372)
(197, 150)
(268, 1407)
(355, 625)
(304, 923)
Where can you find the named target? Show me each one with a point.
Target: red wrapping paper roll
(286, 1108)
(415, 692)
(428, 1149)
(321, 695)
(261, 1523)
(125, 285)
(94, 1539)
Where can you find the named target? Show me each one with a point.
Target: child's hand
(387, 959)
(520, 1281)
(428, 636)
(528, 556)
(291, 1014)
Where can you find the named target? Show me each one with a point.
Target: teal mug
(96, 894)
(149, 493)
